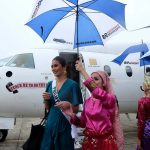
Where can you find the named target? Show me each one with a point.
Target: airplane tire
(3, 134)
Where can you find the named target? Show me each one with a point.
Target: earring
(65, 72)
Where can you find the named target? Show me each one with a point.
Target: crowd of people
(99, 118)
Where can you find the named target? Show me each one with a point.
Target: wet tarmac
(19, 134)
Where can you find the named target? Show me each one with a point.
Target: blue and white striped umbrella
(78, 22)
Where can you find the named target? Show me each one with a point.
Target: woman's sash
(74, 133)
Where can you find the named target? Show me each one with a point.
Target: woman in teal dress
(57, 134)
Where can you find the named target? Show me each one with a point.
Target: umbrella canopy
(78, 22)
(142, 48)
(146, 58)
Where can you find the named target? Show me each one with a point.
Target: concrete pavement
(19, 134)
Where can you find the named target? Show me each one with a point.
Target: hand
(66, 107)
(46, 96)
(79, 66)
(63, 105)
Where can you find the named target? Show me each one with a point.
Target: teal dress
(57, 134)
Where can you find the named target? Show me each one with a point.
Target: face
(98, 80)
(57, 68)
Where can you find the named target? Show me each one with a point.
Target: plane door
(73, 74)
(71, 59)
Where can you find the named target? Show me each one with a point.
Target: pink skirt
(94, 142)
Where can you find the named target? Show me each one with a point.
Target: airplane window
(129, 71)
(22, 61)
(4, 61)
(147, 71)
(107, 70)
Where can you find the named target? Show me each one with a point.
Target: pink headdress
(106, 81)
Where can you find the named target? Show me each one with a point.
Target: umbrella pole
(144, 62)
(77, 18)
(78, 56)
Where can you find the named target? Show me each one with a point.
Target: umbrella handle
(80, 58)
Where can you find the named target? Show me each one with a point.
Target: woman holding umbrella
(100, 114)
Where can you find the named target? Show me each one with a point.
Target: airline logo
(111, 31)
(92, 61)
(131, 62)
(14, 87)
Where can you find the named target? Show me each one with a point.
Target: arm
(75, 109)
(100, 94)
(91, 85)
(80, 68)
(71, 111)
(46, 97)
(89, 82)
(96, 91)
(78, 121)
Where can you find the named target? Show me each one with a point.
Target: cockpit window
(22, 60)
(4, 61)
(129, 71)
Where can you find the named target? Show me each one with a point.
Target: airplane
(24, 75)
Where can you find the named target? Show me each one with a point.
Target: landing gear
(3, 134)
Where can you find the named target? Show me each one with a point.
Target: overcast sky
(14, 35)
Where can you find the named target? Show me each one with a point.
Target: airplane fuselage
(22, 86)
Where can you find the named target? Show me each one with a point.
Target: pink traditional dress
(97, 118)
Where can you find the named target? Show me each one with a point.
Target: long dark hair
(63, 62)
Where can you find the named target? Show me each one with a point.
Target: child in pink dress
(100, 115)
